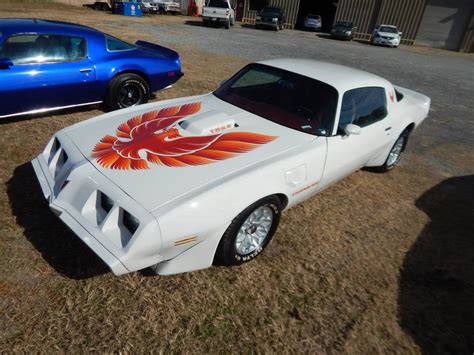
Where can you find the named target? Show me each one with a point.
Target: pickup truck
(218, 12)
(168, 6)
(150, 7)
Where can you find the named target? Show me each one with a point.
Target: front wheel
(249, 233)
(127, 90)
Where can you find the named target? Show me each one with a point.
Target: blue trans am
(47, 65)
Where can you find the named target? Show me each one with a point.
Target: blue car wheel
(127, 90)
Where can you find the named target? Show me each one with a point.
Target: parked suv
(312, 22)
(343, 30)
(270, 17)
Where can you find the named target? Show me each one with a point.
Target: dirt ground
(378, 263)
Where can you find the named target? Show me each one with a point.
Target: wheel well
(283, 199)
(407, 132)
(136, 72)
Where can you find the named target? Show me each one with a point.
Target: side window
(31, 49)
(115, 44)
(363, 107)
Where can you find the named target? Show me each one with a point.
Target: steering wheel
(308, 114)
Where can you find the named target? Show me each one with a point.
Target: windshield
(344, 24)
(292, 100)
(271, 10)
(218, 3)
(313, 17)
(388, 29)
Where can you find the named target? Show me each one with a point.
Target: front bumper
(311, 26)
(72, 192)
(266, 24)
(341, 35)
(386, 41)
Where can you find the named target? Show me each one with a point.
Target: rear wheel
(395, 153)
(127, 90)
(249, 233)
(227, 24)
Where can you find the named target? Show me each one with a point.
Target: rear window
(115, 44)
(218, 3)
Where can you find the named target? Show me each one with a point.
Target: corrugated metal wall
(468, 42)
(360, 12)
(290, 7)
(366, 14)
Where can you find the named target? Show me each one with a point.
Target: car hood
(388, 34)
(146, 161)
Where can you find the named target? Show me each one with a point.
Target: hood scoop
(207, 123)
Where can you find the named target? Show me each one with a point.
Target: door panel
(347, 154)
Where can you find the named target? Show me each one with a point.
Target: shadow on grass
(57, 244)
(436, 295)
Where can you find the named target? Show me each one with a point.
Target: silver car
(312, 22)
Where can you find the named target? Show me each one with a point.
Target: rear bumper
(211, 19)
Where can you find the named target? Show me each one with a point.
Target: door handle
(86, 70)
(388, 129)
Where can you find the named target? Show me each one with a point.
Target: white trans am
(183, 184)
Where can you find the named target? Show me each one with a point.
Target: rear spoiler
(168, 53)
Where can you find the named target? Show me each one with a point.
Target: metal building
(445, 24)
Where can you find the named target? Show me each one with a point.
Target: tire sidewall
(394, 164)
(119, 82)
(226, 253)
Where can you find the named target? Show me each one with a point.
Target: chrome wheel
(394, 155)
(254, 230)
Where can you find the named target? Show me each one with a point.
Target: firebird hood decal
(154, 138)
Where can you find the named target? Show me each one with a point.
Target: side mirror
(352, 129)
(5, 62)
(400, 33)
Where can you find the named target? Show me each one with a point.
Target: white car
(387, 35)
(181, 184)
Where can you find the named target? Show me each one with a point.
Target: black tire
(227, 253)
(98, 7)
(105, 7)
(390, 163)
(126, 90)
(227, 24)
